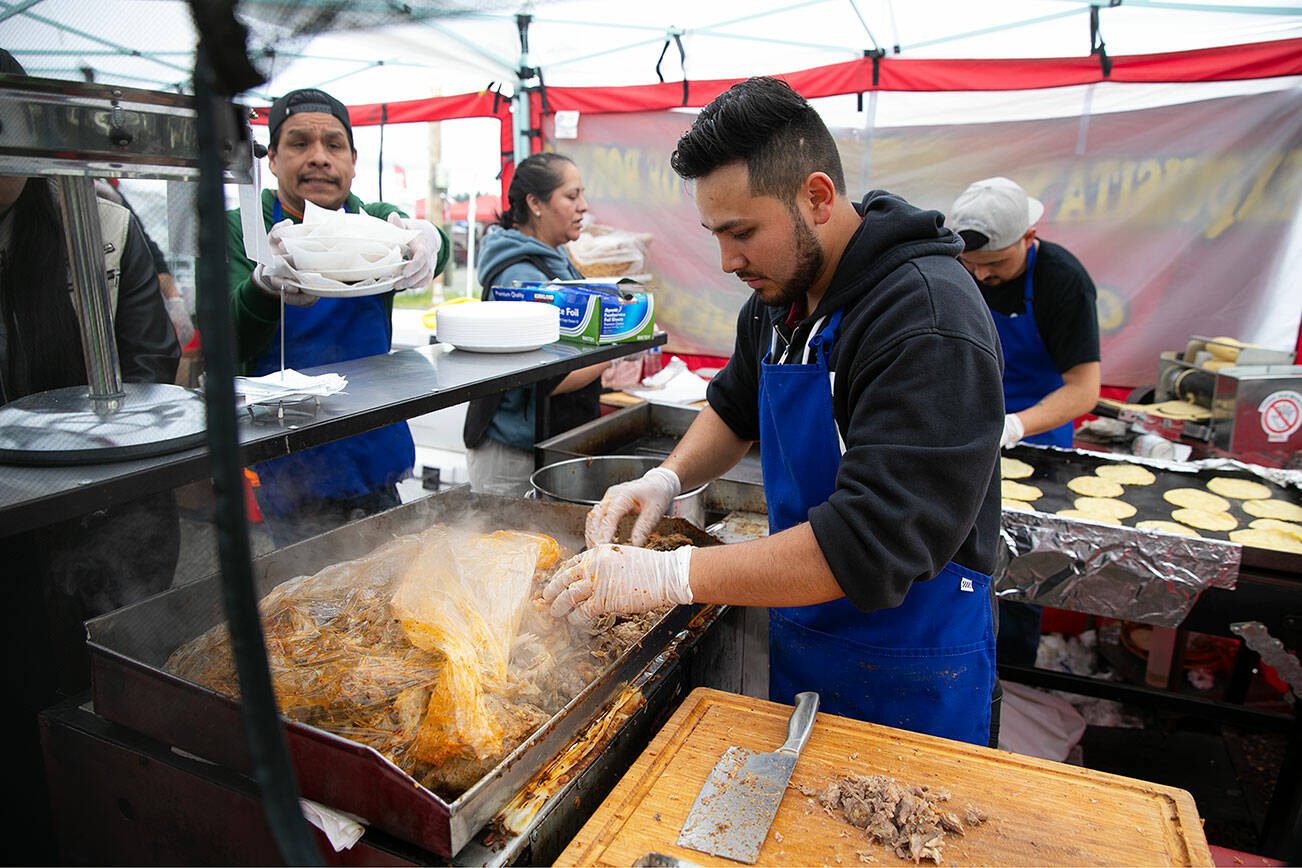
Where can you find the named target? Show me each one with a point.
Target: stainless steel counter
(381, 390)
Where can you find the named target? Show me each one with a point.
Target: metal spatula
(733, 811)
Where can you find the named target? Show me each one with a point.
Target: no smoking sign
(1281, 415)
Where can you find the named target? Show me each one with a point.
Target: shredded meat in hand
(666, 542)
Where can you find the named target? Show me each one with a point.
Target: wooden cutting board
(1040, 812)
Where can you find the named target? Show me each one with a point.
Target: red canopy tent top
(486, 209)
(1225, 63)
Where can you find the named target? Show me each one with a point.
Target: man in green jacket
(314, 160)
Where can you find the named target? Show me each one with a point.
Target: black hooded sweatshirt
(918, 399)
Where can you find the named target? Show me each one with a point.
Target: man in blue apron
(312, 156)
(1043, 303)
(867, 367)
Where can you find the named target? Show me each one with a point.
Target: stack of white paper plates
(498, 326)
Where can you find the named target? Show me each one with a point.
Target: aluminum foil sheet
(1272, 651)
(1282, 476)
(740, 526)
(1115, 572)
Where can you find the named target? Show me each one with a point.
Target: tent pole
(471, 218)
(521, 124)
(521, 119)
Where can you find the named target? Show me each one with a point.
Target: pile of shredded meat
(435, 649)
(910, 820)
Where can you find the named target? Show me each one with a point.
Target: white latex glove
(425, 247)
(180, 318)
(619, 579)
(649, 496)
(273, 279)
(274, 282)
(1013, 430)
(276, 240)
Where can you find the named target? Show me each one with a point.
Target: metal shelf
(381, 390)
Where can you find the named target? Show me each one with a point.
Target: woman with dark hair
(545, 208)
(59, 575)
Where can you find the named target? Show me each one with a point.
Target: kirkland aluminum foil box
(592, 312)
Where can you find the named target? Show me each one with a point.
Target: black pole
(384, 117)
(270, 756)
(522, 22)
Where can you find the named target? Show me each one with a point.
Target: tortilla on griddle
(1016, 505)
(1019, 491)
(1238, 489)
(1011, 468)
(1284, 527)
(1196, 498)
(1280, 509)
(1205, 519)
(1266, 539)
(1095, 486)
(1088, 516)
(1126, 474)
(1108, 506)
(1168, 527)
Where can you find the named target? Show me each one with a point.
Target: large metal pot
(585, 480)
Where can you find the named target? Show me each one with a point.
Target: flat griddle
(1054, 468)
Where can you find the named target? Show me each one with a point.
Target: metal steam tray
(130, 646)
(654, 430)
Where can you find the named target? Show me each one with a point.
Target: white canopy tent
(441, 47)
(462, 46)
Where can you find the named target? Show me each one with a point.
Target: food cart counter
(381, 390)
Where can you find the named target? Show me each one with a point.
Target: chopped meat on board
(910, 820)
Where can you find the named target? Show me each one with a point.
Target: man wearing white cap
(1043, 303)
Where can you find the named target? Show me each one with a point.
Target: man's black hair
(768, 126)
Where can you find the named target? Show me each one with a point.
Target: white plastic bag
(623, 373)
(1035, 723)
(602, 252)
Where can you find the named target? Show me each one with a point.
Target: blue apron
(927, 665)
(1029, 370)
(332, 330)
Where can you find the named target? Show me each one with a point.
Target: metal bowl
(585, 480)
